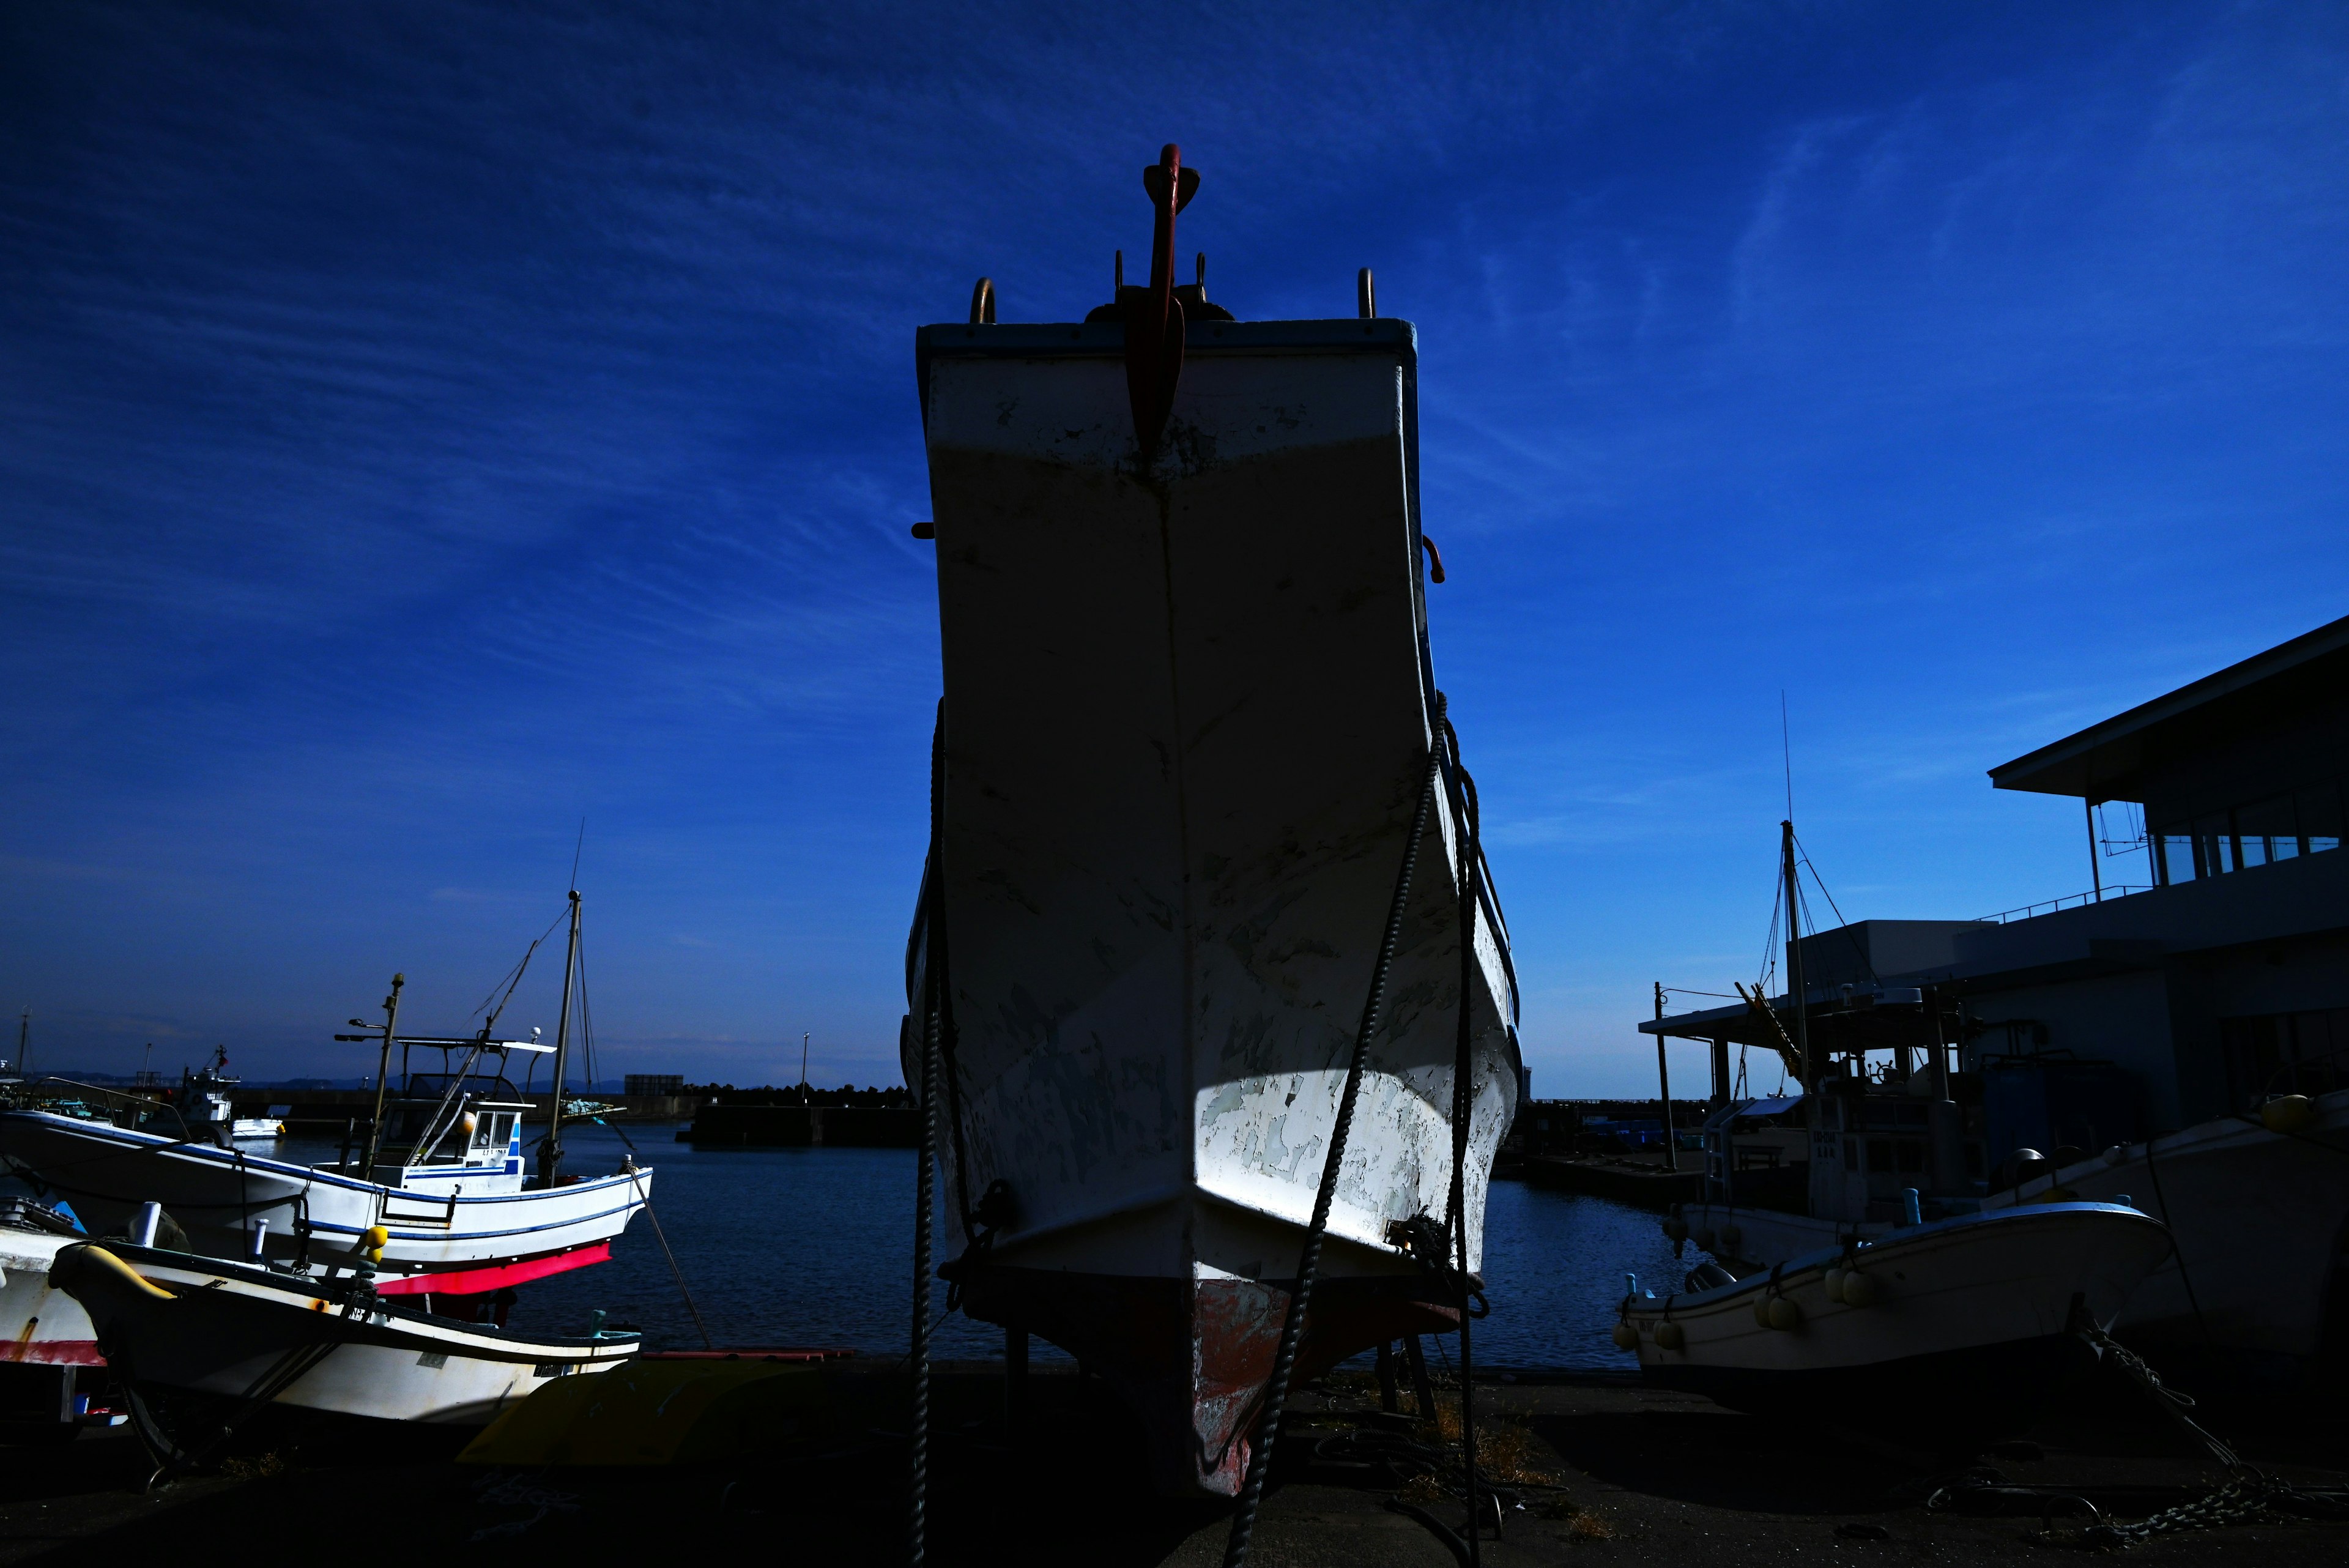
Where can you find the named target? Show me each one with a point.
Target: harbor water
(812, 1247)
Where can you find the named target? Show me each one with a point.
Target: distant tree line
(792, 1095)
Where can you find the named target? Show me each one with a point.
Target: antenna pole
(1796, 996)
(803, 1050)
(382, 1077)
(1664, 1084)
(24, 1041)
(550, 1152)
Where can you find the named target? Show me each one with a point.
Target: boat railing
(2068, 901)
(149, 1103)
(2311, 1075)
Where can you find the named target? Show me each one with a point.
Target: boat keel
(1191, 1357)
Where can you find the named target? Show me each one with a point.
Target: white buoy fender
(1669, 1336)
(1834, 1280)
(1859, 1289)
(1785, 1314)
(1626, 1337)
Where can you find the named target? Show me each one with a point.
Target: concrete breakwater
(802, 1127)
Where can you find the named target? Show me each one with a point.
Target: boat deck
(1645, 1478)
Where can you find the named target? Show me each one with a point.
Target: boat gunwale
(135, 1142)
(318, 1298)
(1808, 1263)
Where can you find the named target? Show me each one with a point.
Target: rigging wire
(1803, 855)
(587, 1019)
(513, 977)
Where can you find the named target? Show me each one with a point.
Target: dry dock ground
(1608, 1473)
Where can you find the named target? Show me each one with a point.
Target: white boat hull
(253, 1335)
(2260, 1220)
(218, 1195)
(1187, 715)
(1970, 1321)
(43, 1326)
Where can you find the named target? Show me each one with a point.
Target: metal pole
(803, 1050)
(382, 1077)
(1664, 1084)
(550, 1153)
(1796, 991)
(2095, 872)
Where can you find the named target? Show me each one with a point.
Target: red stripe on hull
(1192, 1358)
(474, 1282)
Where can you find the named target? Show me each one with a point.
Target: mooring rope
(1463, 1100)
(1292, 1327)
(925, 1178)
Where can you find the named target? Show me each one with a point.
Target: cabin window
(1912, 1157)
(1879, 1154)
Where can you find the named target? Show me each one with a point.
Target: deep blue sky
(427, 426)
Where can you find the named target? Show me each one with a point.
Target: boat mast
(1796, 993)
(382, 1076)
(550, 1153)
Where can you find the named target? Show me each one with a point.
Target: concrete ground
(1606, 1472)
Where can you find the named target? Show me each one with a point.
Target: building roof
(2101, 762)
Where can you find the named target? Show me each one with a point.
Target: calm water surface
(814, 1247)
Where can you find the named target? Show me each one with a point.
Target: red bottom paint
(52, 1352)
(1192, 1358)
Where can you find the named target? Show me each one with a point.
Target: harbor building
(2125, 1010)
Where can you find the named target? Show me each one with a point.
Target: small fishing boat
(52, 1377)
(1944, 1334)
(208, 1101)
(439, 1167)
(1191, 746)
(204, 1346)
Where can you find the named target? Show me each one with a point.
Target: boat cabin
(455, 1127)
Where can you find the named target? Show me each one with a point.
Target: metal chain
(2249, 1496)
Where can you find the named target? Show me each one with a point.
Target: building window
(2175, 846)
(2280, 827)
(2214, 837)
(2318, 814)
(2265, 831)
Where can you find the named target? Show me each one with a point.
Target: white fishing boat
(204, 1345)
(1189, 718)
(1942, 1335)
(208, 1102)
(440, 1168)
(2258, 1205)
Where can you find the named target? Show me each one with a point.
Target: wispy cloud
(421, 429)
